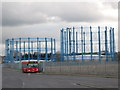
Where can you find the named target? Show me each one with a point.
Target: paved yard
(16, 79)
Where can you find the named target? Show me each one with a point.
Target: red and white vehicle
(30, 66)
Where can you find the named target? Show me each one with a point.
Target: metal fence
(109, 68)
(95, 68)
(12, 65)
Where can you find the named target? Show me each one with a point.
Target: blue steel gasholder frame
(87, 43)
(77, 43)
(18, 49)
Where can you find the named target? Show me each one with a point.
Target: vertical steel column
(40, 49)
(82, 43)
(67, 43)
(62, 46)
(51, 50)
(46, 54)
(76, 43)
(54, 50)
(91, 43)
(31, 49)
(114, 58)
(74, 57)
(99, 44)
(6, 50)
(19, 49)
(111, 44)
(10, 51)
(61, 52)
(106, 47)
(24, 51)
(28, 48)
(38, 58)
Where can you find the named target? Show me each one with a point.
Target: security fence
(109, 68)
(95, 68)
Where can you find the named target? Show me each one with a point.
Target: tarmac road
(12, 78)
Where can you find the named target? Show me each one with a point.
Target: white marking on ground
(85, 84)
(23, 84)
(29, 74)
(74, 83)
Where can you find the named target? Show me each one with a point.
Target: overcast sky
(45, 19)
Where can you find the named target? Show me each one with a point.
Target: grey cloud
(114, 4)
(73, 12)
(35, 13)
(17, 14)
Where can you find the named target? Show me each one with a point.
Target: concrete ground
(12, 78)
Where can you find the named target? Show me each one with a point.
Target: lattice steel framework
(18, 49)
(87, 43)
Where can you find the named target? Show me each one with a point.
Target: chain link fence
(109, 68)
(94, 68)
